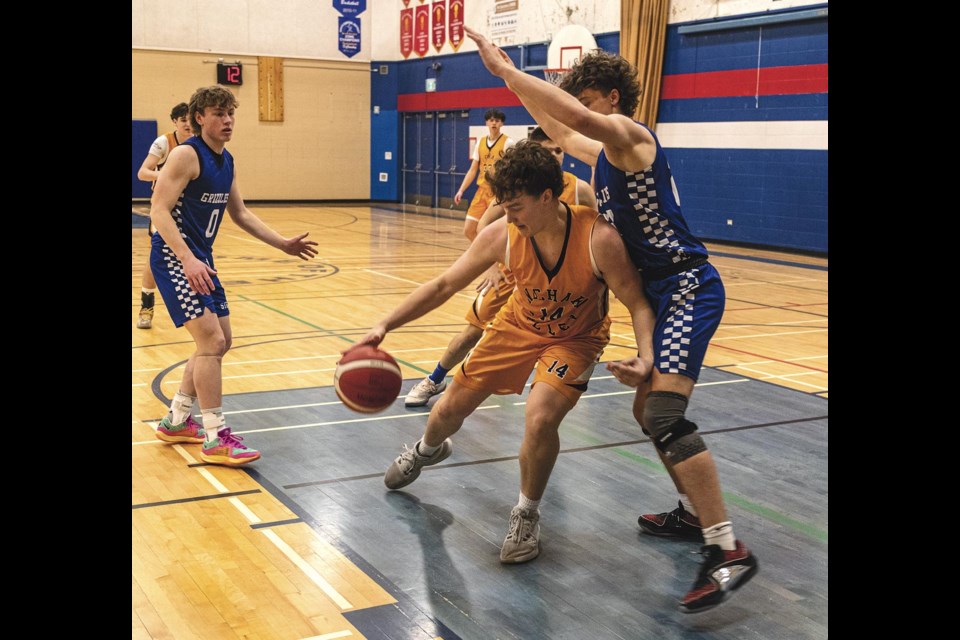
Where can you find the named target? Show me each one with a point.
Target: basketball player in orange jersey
(486, 152)
(496, 286)
(564, 258)
(148, 172)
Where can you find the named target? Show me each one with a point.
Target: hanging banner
(421, 30)
(456, 23)
(406, 32)
(406, 3)
(350, 7)
(439, 13)
(349, 40)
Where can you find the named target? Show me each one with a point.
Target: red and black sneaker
(678, 523)
(721, 573)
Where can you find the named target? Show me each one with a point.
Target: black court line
(609, 445)
(787, 263)
(197, 499)
(275, 523)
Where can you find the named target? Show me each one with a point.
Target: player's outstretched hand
(494, 58)
(299, 246)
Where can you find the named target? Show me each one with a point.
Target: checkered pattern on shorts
(190, 304)
(675, 347)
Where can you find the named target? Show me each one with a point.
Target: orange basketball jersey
(486, 305)
(569, 299)
(569, 193)
(489, 156)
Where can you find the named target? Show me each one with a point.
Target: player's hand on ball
(373, 338)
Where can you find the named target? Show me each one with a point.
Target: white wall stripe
(779, 134)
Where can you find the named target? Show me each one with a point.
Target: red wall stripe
(808, 78)
(464, 99)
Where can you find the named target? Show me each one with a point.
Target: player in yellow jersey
(486, 152)
(496, 287)
(148, 172)
(564, 258)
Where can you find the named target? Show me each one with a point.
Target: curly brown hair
(215, 96)
(525, 169)
(605, 72)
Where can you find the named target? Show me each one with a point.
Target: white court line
(770, 335)
(744, 364)
(621, 393)
(288, 406)
(771, 324)
(209, 477)
(179, 449)
(789, 376)
(316, 424)
(232, 364)
(336, 355)
(331, 636)
(244, 509)
(387, 275)
(139, 384)
(766, 282)
(312, 573)
(264, 375)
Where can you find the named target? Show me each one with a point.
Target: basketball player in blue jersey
(196, 187)
(589, 115)
(148, 172)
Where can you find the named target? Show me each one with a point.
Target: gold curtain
(643, 35)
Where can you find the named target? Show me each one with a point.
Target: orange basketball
(367, 379)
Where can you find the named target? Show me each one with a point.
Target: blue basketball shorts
(182, 302)
(689, 306)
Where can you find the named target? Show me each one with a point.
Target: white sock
(181, 407)
(687, 505)
(212, 422)
(426, 450)
(721, 534)
(147, 291)
(527, 503)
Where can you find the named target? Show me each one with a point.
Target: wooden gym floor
(307, 543)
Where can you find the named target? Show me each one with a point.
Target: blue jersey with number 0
(202, 205)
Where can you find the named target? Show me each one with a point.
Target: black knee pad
(672, 434)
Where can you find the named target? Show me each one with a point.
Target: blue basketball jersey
(202, 205)
(645, 209)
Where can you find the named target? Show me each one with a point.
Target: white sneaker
(523, 539)
(423, 391)
(406, 468)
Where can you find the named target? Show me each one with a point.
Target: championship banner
(456, 23)
(421, 30)
(406, 32)
(439, 24)
(406, 3)
(349, 40)
(350, 7)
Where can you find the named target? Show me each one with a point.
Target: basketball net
(554, 76)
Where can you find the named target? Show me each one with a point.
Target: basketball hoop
(554, 76)
(567, 47)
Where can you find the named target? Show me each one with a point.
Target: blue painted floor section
(435, 544)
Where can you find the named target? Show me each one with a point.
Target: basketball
(367, 379)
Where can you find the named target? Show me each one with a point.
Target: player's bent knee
(685, 447)
(664, 421)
